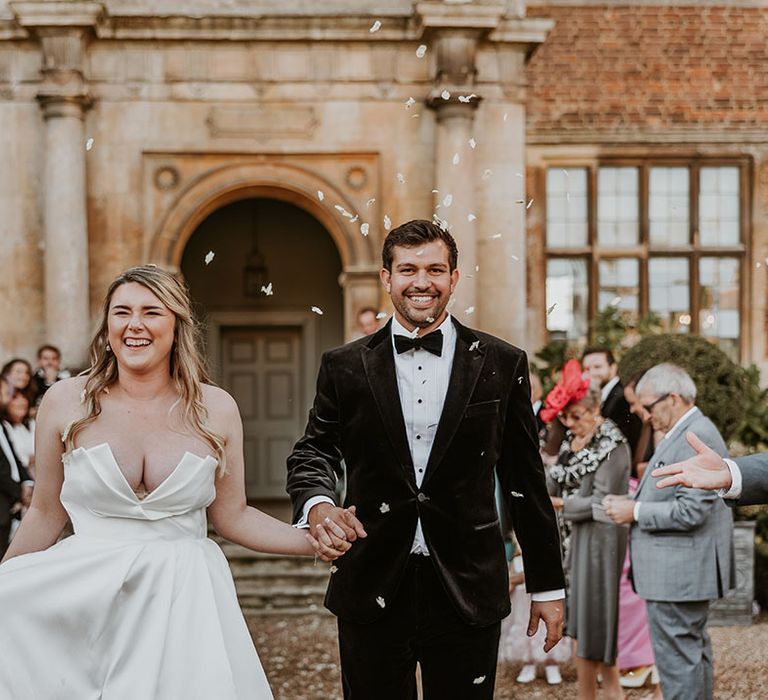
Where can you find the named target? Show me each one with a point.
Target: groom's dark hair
(418, 232)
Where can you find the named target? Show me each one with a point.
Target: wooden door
(261, 368)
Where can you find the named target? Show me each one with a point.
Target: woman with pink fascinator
(594, 460)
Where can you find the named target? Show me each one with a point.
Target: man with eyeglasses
(681, 539)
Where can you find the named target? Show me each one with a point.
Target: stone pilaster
(63, 29)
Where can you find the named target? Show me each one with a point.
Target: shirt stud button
(422, 497)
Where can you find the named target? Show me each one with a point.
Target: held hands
(551, 613)
(620, 509)
(333, 530)
(706, 470)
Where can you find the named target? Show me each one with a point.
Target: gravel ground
(301, 659)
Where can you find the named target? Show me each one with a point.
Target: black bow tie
(432, 342)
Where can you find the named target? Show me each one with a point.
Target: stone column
(361, 288)
(63, 29)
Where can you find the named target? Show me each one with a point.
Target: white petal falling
(519, 380)
(469, 310)
(506, 114)
(474, 346)
(381, 603)
(530, 204)
(384, 507)
(380, 315)
(409, 103)
(472, 143)
(401, 178)
(342, 210)
(415, 116)
(430, 319)
(334, 569)
(551, 308)
(267, 289)
(448, 200)
(471, 218)
(364, 229)
(456, 159)
(317, 310)
(477, 268)
(375, 27)
(515, 258)
(209, 257)
(320, 195)
(387, 223)
(354, 218)
(478, 680)
(370, 202)
(89, 144)
(421, 51)
(445, 95)
(516, 494)
(487, 173)
(495, 236)
(467, 98)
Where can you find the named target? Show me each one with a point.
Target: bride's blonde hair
(186, 366)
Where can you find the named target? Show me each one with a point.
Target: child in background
(515, 645)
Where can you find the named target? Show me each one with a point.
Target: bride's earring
(109, 349)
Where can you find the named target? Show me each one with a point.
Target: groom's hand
(334, 528)
(551, 613)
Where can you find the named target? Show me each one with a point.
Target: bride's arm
(229, 513)
(46, 517)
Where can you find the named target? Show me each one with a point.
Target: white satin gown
(137, 605)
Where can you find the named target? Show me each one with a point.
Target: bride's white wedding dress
(137, 605)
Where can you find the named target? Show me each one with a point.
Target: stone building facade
(583, 154)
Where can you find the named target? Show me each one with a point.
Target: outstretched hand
(334, 530)
(551, 613)
(705, 470)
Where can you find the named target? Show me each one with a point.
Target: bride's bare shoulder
(65, 392)
(219, 403)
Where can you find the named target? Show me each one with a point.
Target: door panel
(261, 368)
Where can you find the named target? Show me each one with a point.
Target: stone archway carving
(222, 183)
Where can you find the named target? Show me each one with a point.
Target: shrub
(720, 382)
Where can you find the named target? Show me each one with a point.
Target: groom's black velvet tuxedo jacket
(487, 422)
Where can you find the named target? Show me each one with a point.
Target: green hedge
(720, 382)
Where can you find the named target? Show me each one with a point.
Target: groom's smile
(420, 283)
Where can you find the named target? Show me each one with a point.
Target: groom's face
(420, 283)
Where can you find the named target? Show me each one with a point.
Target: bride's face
(140, 328)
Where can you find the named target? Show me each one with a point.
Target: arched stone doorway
(264, 348)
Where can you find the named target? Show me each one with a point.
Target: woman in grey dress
(594, 460)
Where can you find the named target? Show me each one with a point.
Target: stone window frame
(593, 253)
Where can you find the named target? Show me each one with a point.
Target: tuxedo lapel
(379, 362)
(468, 361)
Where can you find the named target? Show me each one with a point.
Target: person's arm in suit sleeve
(314, 465)
(754, 479)
(521, 474)
(689, 507)
(610, 477)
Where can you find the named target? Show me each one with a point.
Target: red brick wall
(607, 69)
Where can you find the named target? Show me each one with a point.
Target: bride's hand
(318, 550)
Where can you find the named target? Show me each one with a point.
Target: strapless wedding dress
(137, 605)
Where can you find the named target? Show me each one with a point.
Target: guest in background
(600, 366)
(515, 646)
(20, 429)
(367, 321)
(15, 488)
(48, 370)
(537, 395)
(594, 461)
(682, 539)
(17, 376)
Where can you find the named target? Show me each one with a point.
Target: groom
(422, 413)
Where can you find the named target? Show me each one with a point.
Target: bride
(138, 603)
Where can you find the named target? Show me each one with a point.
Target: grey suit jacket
(682, 544)
(754, 479)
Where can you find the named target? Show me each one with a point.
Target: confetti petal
(400, 178)
(505, 116)
(421, 51)
(320, 195)
(375, 27)
(551, 308)
(430, 319)
(478, 680)
(469, 310)
(516, 494)
(466, 98)
(384, 507)
(267, 289)
(456, 159)
(387, 223)
(530, 204)
(89, 144)
(209, 257)
(370, 201)
(445, 95)
(334, 569)
(496, 235)
(317, 310)
(471, 217)
(474, 345)
(472, 143)
(487, 173)
(364, 229)
(448, 200)
(409, 103)
(381, 314)
(381, 602)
